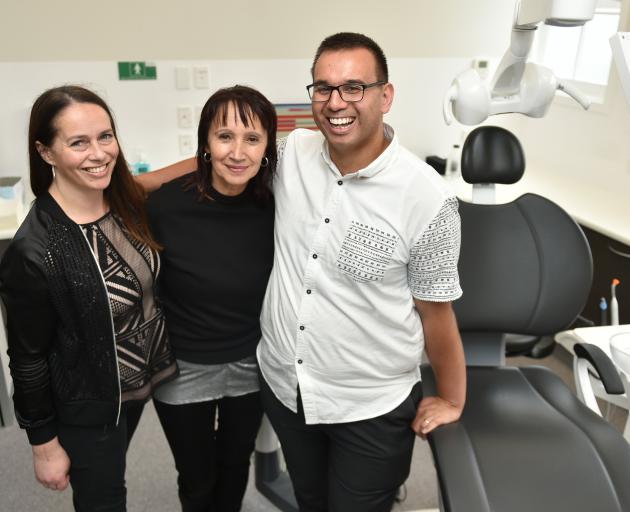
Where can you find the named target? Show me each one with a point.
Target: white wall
(264, 43)
(145, 111)
(44, 30)
(269, 44)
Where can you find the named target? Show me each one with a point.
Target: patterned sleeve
(432, 271)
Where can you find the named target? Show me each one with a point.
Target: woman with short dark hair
(216, 227)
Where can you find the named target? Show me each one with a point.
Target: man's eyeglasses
(348, 92)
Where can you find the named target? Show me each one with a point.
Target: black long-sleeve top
(217, 257)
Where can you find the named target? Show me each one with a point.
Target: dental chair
(524, 442)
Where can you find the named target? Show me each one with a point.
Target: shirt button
(340, 182)
(308, 292)
(299, 361)
(314, 256)
(301, 327)
(326, 220)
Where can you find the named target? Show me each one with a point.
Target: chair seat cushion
(526, 443)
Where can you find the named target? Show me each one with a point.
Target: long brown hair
(124, 196)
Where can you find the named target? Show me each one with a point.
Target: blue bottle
(141, 166)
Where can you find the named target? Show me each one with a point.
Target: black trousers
(97, 458)
(345, 467)
(212, 456)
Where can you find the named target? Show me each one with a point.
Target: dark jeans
(212, 455)
(345, 467)
(97, 458)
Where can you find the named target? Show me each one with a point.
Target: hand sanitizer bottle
(141, 165)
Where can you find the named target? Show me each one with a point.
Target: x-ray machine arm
(517, 85)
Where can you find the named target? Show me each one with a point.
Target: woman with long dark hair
(87, 341)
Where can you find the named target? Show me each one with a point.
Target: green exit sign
(136, 71)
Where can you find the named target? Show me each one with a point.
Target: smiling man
(366, 248)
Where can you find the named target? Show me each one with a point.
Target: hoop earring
(54, 174)
(266, 160)
(207, 157)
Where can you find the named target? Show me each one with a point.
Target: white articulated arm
(575, 94)
(517, 85)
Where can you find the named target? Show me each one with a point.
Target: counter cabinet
(610, 259)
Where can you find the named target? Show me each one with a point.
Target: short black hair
(351, 41)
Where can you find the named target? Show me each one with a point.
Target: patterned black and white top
(352, 253)
(130, 269)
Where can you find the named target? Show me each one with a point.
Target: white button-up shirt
(351, 253)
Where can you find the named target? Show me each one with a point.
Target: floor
(151, 475)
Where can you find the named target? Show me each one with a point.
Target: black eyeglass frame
(337, 88)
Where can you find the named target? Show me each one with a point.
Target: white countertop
(591, 206)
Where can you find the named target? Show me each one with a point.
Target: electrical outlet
(201, 77)
(184, 117)
(186, 145)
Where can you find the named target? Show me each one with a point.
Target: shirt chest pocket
(366, 252)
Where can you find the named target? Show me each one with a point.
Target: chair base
(536, 347)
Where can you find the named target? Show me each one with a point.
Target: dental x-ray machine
(517, 85)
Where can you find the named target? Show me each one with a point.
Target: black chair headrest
(492, 155)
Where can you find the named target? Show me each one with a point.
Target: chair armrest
(461, 484)
(602, 364)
